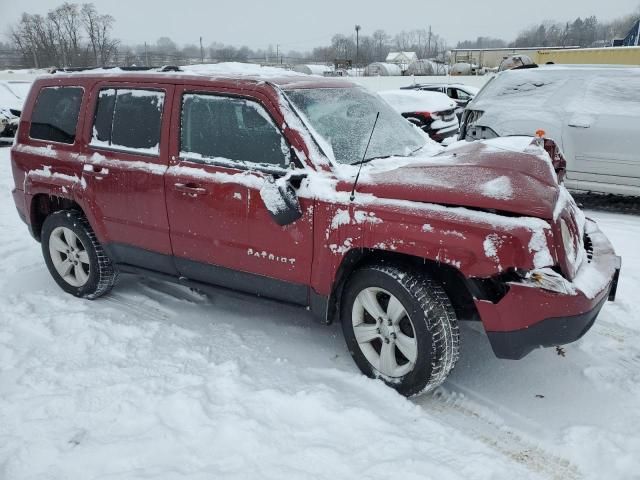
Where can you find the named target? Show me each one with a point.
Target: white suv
(592, 112)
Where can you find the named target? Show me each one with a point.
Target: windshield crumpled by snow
(344, 118)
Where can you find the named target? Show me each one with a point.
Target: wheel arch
(42, 205)
(452, 280)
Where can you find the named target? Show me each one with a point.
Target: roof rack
(164, 68)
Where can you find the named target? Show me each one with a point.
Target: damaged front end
(550, 306)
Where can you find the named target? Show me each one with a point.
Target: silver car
(592, 112)
(12, 97)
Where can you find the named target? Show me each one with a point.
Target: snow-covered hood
(503, 174)
(404, 101)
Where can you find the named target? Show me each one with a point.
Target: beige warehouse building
(491, 57)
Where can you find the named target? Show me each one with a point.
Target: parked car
(458, 92)
(516, 62)
(433, 112)
(12, 96)
(591, 112)
(281, 187)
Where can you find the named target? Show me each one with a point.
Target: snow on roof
(382, 69)
(410, 101)
(401, 57)
(312, 69)
(242, 69)
(224, 69)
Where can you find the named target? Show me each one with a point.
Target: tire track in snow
(457, 412)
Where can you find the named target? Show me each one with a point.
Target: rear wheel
(400, 327)
(74, 257)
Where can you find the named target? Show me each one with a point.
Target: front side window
(452, 93)
(55, 115)
(219, 128)
(128, 119)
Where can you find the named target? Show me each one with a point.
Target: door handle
(190, 188)
(94, 170)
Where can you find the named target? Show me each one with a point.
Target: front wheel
(74, 257)
(400, 327)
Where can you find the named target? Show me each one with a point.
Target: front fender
(477, 243)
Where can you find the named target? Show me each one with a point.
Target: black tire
(102, 275)
(432, 317)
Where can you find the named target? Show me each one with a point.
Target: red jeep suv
(310, 191)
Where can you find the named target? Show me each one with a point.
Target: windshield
(344, 117)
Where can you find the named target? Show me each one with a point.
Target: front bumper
(529, 317)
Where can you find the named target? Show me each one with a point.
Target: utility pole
(429, 42)
(201, 52)
(146, 54)
(358, 27)
(277, 53)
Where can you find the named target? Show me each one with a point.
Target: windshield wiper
(417, 150)
(367, 160)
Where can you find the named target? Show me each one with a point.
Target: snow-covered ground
(158, 382)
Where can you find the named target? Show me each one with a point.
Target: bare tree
(98, 29)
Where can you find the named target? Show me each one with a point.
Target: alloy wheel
(69, 256)
(384, 332)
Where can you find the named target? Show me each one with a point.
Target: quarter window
(128, 119)
(215, 128)
(55, 115)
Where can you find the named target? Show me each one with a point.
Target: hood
(512, 174)
(407, 101)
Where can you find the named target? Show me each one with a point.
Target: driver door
(221, 230)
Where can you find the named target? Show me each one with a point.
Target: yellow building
(590, 56)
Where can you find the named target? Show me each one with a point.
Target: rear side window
(55, 115)
(226, 128)
(128, 119)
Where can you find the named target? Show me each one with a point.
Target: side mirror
(281, 199)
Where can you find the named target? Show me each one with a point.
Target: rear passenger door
(125, 161)
(221, 231)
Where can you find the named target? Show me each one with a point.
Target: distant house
(403, 59)
(633, 37)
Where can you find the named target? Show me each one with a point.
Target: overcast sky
(300, 25)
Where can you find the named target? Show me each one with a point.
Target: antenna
(353, 190)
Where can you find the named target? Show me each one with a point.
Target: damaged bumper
(527, 316)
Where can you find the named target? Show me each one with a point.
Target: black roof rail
(164, 68)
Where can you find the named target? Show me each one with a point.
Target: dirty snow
(157, 382)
